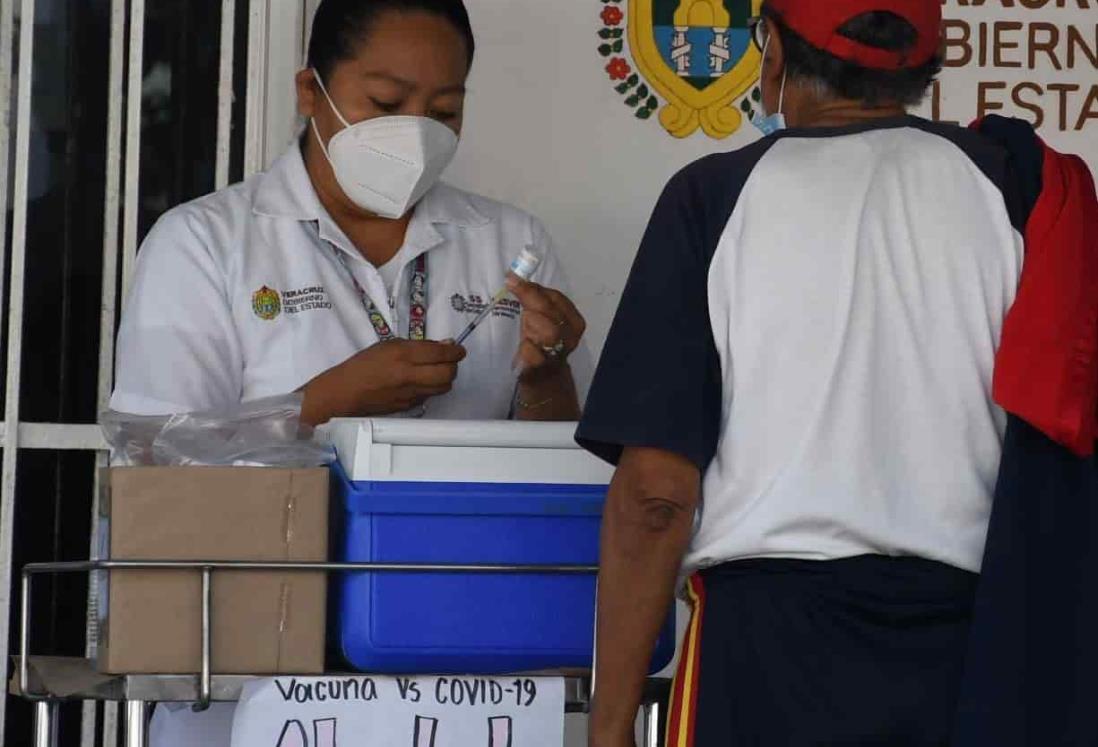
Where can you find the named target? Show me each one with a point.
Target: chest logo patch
(310, 298)
(267, 304)
(474, 304)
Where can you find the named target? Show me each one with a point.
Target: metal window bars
(124, 168)
(123, 138)
(204, 687)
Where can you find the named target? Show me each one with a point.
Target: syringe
(524, 267)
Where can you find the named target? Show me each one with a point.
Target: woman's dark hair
(340, 26)
(880, 29)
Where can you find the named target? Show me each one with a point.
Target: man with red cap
(797, 392)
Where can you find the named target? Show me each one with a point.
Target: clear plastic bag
(261, 433)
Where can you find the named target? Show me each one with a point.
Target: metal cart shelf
(49, 681)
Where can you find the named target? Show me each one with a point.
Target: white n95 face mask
(385, 165)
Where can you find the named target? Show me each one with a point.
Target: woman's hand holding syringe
(524, 267)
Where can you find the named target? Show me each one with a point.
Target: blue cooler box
(461, 492)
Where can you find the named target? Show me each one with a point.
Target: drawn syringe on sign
(499, 731)
(426, 729)
(324, 732)
(293, 734)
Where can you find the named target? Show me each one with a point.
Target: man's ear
(305, 83)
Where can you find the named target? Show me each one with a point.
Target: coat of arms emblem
(266, 303)
(694, 55)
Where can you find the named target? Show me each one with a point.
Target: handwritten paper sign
(401, 712)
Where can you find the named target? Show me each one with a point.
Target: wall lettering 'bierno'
(1036, 59)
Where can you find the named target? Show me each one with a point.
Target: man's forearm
(647, 525)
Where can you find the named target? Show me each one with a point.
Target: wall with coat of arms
(580, 110)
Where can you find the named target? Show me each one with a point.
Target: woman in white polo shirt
(334, 271)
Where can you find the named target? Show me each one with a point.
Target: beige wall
(547, 131)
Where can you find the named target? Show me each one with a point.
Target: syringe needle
(481, 317)
(524, 267)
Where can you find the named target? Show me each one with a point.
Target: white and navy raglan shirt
(812, 321)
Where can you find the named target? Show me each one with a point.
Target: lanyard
(417, 321)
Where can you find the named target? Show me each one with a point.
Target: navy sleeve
(1025, 164)
(1009, 154)
(658, 382)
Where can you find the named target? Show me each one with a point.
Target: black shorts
(791, 653)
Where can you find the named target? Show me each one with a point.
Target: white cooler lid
(408, 450)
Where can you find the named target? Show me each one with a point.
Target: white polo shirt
(241, 295)
(831, 302)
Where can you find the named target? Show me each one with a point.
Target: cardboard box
(263, 622)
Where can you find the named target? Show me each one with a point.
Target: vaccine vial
(526, 264)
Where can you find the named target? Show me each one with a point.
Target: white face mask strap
(781, 92)
(320, 141)
(785, 75)
(330, 102)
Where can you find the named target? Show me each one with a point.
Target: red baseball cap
(819, 21)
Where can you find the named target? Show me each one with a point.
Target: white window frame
(270, 124)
